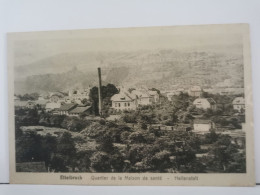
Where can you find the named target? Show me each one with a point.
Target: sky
(31, 47)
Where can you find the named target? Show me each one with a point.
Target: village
(181, 130)
(77, 102)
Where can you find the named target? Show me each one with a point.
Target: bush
(74, 124)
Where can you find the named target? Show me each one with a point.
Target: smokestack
(99, 92)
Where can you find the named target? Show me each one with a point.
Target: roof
(201, 121)
(200, 100)
(153, 92)
(80, 109)
(239, 100)
(141, 93)
(59, 94)
(67, 107)
(211, 101)
(41, 102)
(122, 97)
(52, 105)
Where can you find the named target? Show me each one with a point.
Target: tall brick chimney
(99, 92)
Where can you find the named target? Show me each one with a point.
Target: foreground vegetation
(133, 143)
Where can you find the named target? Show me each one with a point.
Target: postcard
(132, 106)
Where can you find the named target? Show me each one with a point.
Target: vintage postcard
(132, 106)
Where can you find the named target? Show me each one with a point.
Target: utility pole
(99, 92)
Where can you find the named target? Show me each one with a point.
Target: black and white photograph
(158, 100)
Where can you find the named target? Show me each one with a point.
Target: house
(66, 108)
(24, 104)
(80, 110)
(143, 97)
(205, 103)
(238, 104)
(195, 91)
(77, 95)
(169, 95)
(52, 105)
(56, 96)
(201, 125)
(123, 101)
(154, 95)
(41, 103)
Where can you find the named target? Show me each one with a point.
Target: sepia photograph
(162, 103)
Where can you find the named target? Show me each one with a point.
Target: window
(125, 104)
(118, 104)
(115, 104)
(128, 104)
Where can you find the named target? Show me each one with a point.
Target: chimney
(99, 92)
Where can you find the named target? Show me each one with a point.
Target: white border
(31, 15)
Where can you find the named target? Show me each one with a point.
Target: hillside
(163, 69)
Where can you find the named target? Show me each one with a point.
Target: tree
(100, 162)
(29, 148)
(106, 93)
(66, 145)
(57, 164)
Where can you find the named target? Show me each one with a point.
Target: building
(205, 103)
(154, 95)
(169, 95)
(123, 101)
(56, 97)
(66, 108)
(41, 103)
(80, 110)
(238, 104)
(195, 91)
(201, 125)
(143, 97)
(52, 105)
(77, 95)
(24, 104)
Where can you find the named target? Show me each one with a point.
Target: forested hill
(161, 69)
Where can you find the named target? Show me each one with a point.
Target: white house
(238, 103)
(205, 103)
(52, 105)
(123, 101)
(56, 96)
(143, 97)
(154, 95)
(200, 125)
(77, 95)
(195, 91)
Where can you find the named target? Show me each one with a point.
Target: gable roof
(80, 109)
(200, 100)
(67, 107)
(141, 93)
(122, 97)
(201, 121)
(211, 101)
(153, 92)
(52, 105)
